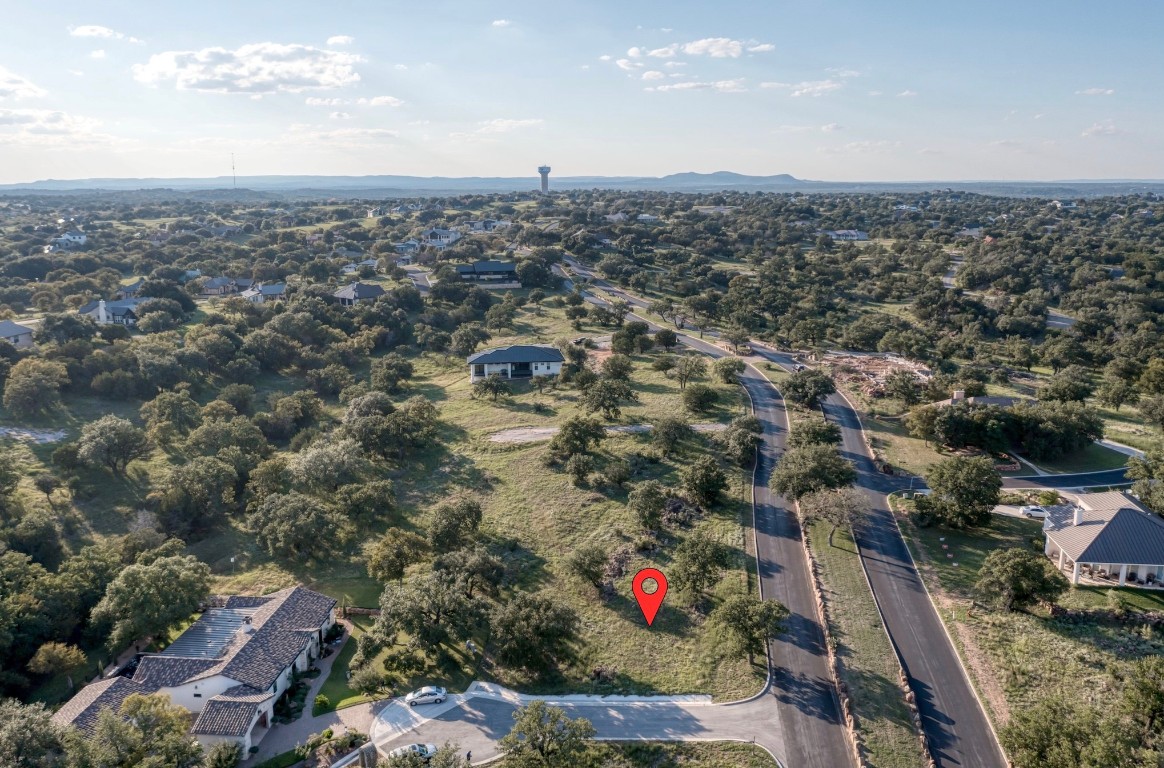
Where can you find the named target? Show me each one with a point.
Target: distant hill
(384, 186)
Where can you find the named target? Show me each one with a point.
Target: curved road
(955, 724)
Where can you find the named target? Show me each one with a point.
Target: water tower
(544, 170)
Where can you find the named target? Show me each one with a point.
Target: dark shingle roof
(518, 353)
(283, 626)
(225, 717)
(485, 268)
(85, 707)
(357, 291)
(167, 671)
(115, 308)
(1114, 529)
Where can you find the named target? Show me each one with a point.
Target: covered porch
(1142, 575)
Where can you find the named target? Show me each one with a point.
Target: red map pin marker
(649, 602)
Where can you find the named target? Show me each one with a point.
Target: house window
(198, 695)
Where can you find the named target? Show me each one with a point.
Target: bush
(322, 702)
(700, 398)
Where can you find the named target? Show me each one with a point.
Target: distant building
(516, 362)
(71, 240)
(408, 246)
(488, 225)
(119, 312)
(616, 218)
(129, 290)
(351, 269)
(959, 397)
(488, 271)
(17, 335)
(350, 295)
(261, 294)
(544, 172)
(849, 235)
(439, 239)
(648, 218)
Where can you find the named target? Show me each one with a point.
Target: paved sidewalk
(283, 738)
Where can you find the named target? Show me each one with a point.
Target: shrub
(322, 702)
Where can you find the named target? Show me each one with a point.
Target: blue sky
(821, 89)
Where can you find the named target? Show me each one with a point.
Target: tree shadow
(881, 698)
(812, 696)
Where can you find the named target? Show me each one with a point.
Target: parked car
(430, 694)
(1033, 512)
(423, 751)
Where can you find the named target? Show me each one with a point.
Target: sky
(840, 90)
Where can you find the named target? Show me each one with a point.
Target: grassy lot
(722, 754)
(868, 665)
(1018, 659)
(1093, 458)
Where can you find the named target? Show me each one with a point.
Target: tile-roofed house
(19, 336)
(516, 362)
(229, 667)
(1108, 536)
(357, 292)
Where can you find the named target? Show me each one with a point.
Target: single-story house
(517, 362)
(17, 335)
(259, 293)
(71, 240)
(119, 312)
(648, 218)
(408, 246)
(228, 668)
(488, 225)
(220, 286)
(495, 271)
(847, 234)
(1106, 538)
(357, 292)
(351, 269)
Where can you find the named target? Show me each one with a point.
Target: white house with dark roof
(119, 312)
(228, 668)
(261, 293)
(353, 294)
(1106, 538)
(19, 336)
(520, 361)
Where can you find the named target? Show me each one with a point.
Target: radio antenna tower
(233, 176)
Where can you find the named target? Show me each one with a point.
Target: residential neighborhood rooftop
(518, 353)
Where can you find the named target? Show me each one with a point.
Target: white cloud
(400, 67)
(672, 64)
(628, 65)
(96, 30)
(907, 94)
(1102, 128)
(97, 54)
(315, 101)
(382, 101)
(716, 47)
(842, 72)
(723, 86)
(807, 87)
(665, 52)
(50, 128)
(1095, 92)
(604, 57)
(503, 125)
(761, 48)
(341, 40)
(831, 127)
(339, 116)
(865, 147)
(257, 68)
(653, 74)
(501, 23)
(635, 52)
(13, 86)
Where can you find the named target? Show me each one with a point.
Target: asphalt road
(803, 701)
(1078, 480)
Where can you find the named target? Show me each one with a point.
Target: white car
(430, 694)
(1033, 512)
(423, 751)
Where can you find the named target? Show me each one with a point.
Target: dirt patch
(537, 434)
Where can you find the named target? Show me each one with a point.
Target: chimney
(1078, 516)
(959, 394)
(102, 317)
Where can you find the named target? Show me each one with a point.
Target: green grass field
(678, 755)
